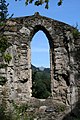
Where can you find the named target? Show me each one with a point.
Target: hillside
(43, 69)
(41, 87)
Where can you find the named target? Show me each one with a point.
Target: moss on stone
(7, 57)
(75, 33)
(2, 80)
(3, 65)
(3, 44)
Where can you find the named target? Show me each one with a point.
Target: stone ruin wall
(63, 60)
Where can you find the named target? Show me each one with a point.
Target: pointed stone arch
(19, 32)
(49, 37)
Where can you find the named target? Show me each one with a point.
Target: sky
(68, 12)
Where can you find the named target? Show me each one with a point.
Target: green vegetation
(2, 24)
(19, 112)
(3, 10)
(41, 83)
(3, 43)
(76, 33)
(41, 2)
(3, 116)
(3, 65)
(3, 46)
(7, 57)
(2, 80)
(61, 108)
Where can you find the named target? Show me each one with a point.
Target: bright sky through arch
(40, 50)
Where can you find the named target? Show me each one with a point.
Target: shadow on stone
(74, 114)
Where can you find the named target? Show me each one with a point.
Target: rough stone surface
(64, 60)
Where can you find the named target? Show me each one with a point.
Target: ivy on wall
(6, 57)
(3, 46)
(76, 33)
(2, 80)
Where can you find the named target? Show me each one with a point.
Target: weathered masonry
(64, 59)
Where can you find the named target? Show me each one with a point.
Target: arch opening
(40, 64)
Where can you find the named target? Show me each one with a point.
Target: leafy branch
(40, 2)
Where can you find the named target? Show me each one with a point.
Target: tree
(3, 10)
(40, 2)
(39, 90)
(41, 83)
